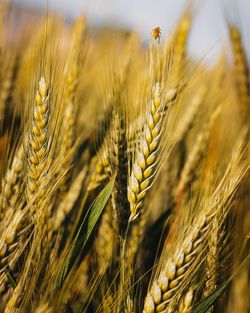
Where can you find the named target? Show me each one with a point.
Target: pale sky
(208, 32)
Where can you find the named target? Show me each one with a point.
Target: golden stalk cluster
(124, 171)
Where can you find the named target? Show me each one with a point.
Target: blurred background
(208, 32)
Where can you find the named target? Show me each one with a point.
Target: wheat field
(124, 170)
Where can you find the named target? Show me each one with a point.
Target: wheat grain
(186, 304)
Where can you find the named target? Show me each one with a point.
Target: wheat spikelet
(145, 162)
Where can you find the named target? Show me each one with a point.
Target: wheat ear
(38, 148)
(175, 271)
(101, 164)
(119, 161)
(7, 85)
(144, 167)
(211, 262)
(195, 156)
(11, 182)
(105, 241)
(70, 110)
(241, 71)
(180, 41)
(190, 114)
(69, 119)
